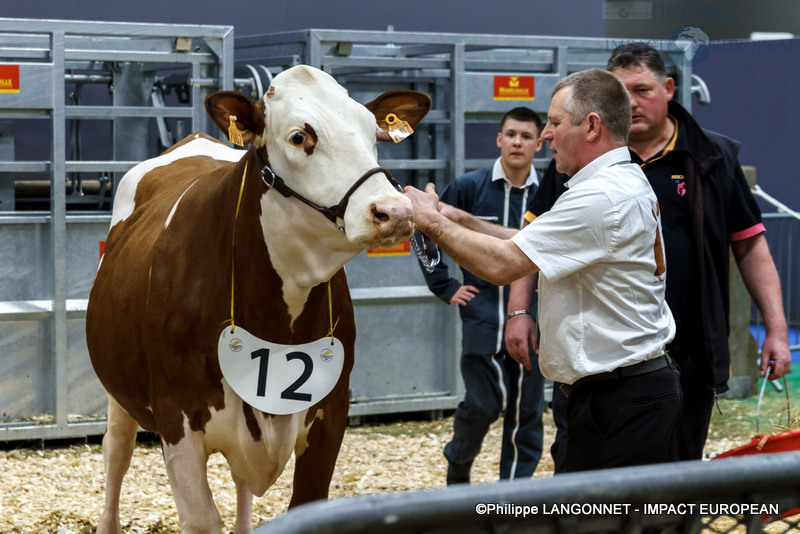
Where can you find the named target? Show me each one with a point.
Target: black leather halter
(428, 253)
(332, 213)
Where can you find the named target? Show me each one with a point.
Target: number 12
(289, 393)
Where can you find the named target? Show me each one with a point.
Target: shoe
(458, 473)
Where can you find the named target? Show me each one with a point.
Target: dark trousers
(698, 403)
(498, 385)
(693, 421)
(558, 450)
(621, 422)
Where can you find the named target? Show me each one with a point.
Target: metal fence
(747, 494)
(473, 80)
(63, 80)
(783, 237)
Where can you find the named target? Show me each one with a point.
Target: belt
(621, 372)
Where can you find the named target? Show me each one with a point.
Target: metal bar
(314, 54)
(457, 107)
(472, 40)
(685, 86)
(88, 78)
(52, 431)
(775, 202)
(71, 166)
(391, 295)
(39, 310)
(100, 166)
(24, 166)
(58, 228)
(372, 405)
(136, 56)
(111, 29)
(226, 61)
(421, 164)
(111, 112)
(15, 54)
(386, 63)
(766, 479)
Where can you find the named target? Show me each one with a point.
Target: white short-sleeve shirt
(603, 273)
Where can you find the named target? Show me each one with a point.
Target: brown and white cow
(201, 247)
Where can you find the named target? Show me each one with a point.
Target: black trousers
(558, 450)
(622, 422)
(497, 385)
(698, 403)
(693, 422)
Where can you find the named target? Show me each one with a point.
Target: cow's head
(320, 142)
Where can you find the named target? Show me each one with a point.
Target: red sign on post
(9, 78)
(513, 87)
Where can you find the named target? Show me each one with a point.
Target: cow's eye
(298, 138)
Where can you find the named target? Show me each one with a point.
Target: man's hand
(775, 349)
(521, 338)
(449, 211)
(426, 208)
(464, 294)
(761, 279)
(521, 329)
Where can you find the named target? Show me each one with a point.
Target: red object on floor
(763, 444)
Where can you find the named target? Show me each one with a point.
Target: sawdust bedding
(60, 490)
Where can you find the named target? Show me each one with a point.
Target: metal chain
(423, 259)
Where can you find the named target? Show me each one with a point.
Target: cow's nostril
(379, 215)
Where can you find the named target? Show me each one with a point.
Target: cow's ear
(407, 106)
(234, 112)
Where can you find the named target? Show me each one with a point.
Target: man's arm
(475, 224)
(761, 279)
(521, 329)
(498, 261)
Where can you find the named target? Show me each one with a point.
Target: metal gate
(77, 104)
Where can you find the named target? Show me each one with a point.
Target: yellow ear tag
(398, 129)
(233, 132)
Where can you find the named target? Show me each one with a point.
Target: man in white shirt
(604, 320)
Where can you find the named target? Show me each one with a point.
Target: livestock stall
(77, 106)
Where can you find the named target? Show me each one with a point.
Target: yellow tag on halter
(398, 129)
(233, 132)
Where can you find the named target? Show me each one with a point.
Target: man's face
(518, 143)
(649, 99)
(563, 136)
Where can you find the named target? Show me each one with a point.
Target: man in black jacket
(706, 208)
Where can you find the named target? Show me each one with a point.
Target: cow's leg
(314, 463)
(118, 444)
(244, 506)
(186, 468)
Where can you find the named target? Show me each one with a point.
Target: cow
(219, 257)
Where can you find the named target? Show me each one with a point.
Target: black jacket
(715, 181)
(715, 185)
